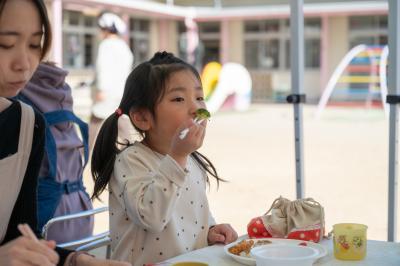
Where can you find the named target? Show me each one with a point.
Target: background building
(254, 33)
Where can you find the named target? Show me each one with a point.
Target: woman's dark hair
(144, 88)
(46, 27)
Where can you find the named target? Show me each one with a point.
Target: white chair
(84, 244)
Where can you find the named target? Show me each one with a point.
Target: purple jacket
(48, 91)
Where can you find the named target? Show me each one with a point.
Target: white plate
(251, 261)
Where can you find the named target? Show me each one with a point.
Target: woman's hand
(26, 252)
(87, 260)
(221, 233)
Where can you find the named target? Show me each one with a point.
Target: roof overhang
(165, 11)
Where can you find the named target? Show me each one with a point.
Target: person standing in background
(114, 63)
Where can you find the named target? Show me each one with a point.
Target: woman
(113, 65)
(23, 24)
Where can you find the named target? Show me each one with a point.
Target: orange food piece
(244, 245)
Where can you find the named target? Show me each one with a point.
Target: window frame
(282, 35)
(80, 30)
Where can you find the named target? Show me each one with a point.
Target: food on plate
(249, 259)
(261, 242)
(243, 247)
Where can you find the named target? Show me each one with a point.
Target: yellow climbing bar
(359, 79)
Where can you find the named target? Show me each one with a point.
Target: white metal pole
(57, 13)
(297, 74)
(394, 100)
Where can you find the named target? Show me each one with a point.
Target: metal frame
(394, 90)
(84, 244)
(297, 70)
(297, 74)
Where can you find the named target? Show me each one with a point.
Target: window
(139, 39)
(262, 54)
(267, 44)
(79, 40)
(312, 53)
(73, 18)
(262, 26)
(88, 55)
(369, 30)
(209, 27)
(312, 50)
(209, 34)
(209, 41)
(368, 22)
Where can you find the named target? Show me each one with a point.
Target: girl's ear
(141, 119)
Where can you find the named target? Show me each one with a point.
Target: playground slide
(209, 78)
(234, 79)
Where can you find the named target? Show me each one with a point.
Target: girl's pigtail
(104, 153)
(207, 165)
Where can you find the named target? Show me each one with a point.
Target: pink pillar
(57, 32)
(224, 42)
(126, 34)
(163, 35)
(324, 52)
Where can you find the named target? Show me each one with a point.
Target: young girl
(158, 203)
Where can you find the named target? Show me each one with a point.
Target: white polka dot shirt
(157, 210)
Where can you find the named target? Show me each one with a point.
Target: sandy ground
(345, 155)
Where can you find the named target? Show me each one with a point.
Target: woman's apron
(13, 168)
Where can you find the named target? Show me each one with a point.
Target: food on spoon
(202, 113)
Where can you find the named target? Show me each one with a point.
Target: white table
(379, 253)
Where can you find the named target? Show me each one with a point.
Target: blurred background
(254, 33)
(345, 138)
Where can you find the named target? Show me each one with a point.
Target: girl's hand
(26, 252)
(222, 234)
(181, 148)
(86, 260)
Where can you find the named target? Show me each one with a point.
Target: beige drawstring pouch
(299, 219)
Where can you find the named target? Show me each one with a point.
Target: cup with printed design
(349, 241)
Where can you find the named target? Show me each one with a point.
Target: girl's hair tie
(118, 112)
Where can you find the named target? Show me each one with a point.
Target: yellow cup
(349, 241)
(190, 263)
